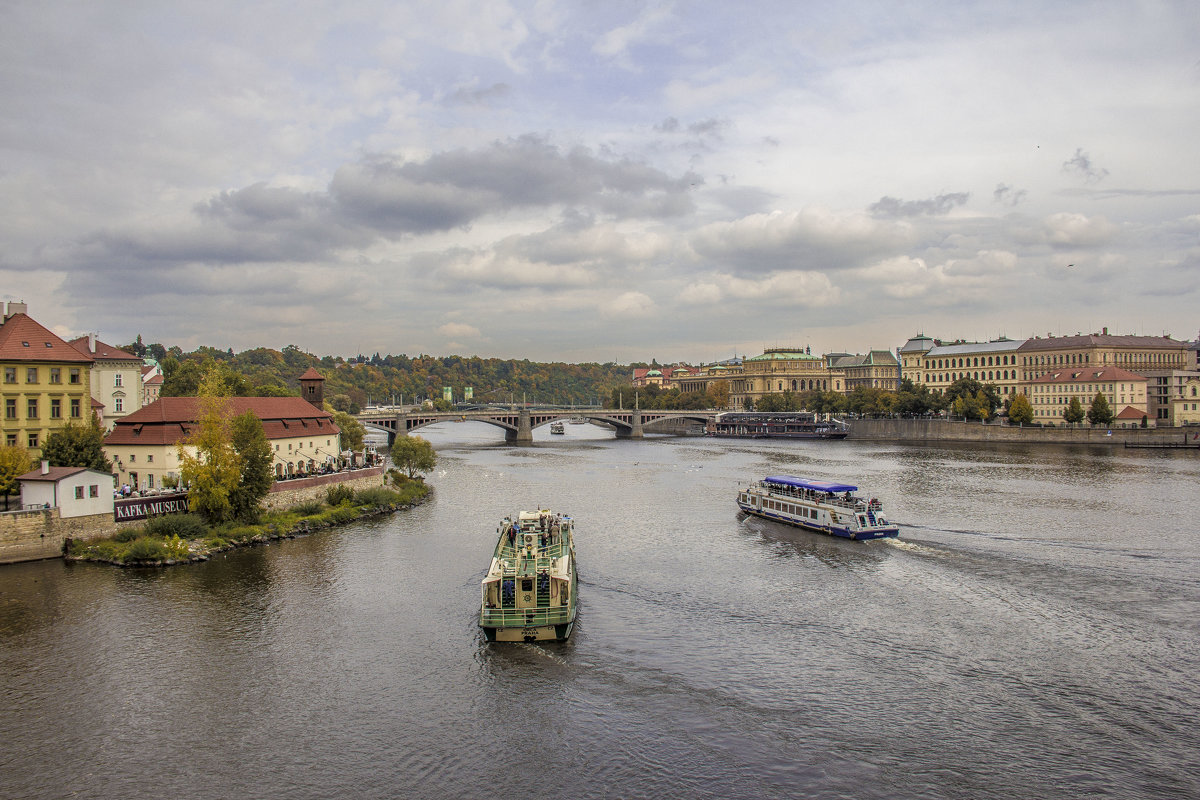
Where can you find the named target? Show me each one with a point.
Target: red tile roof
(104, 352)
(54, 474)
(1085, 374)
(1129, 412)
(311, 374)
(22, 339)
(170, 419)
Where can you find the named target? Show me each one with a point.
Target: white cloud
(459, 330)
(629, 304)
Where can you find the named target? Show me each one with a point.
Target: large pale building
(45, 380)
(877, 369)
(928, 362)
(1185, 408)
(143, 446)
(1050, 393)
(1154, 357)
(115, 379)
(779, 370)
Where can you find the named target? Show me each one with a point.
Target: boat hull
(536, 633)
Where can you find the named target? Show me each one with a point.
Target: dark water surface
(1033, 634)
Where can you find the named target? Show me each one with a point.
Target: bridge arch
(518, 425)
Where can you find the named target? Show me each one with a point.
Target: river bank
(930, 431)
(185, 539)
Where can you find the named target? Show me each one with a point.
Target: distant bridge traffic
(518, 424)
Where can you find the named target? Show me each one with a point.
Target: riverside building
(928, 362)
(45, 381)
(1156, 358)
(779, 370)
(1050, 393)
(144, 445)
(115, 379)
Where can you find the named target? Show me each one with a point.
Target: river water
(1032, 634)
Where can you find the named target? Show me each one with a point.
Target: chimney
(1104, 330)
(91, 343)
(45, 467)
(14, 307)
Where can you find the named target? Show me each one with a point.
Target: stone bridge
(518, 424)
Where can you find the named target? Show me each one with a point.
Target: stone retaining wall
(941, 430)
(301, 490)
(38, 534)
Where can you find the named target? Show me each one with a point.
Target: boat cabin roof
(805, 483)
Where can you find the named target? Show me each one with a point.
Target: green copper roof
(785, 354)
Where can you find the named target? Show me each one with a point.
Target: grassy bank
(185, 538)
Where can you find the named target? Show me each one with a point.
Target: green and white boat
(532, 587)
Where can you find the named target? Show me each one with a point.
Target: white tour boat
(531, 589)
(821, 506)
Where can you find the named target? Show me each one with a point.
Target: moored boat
(557, 427)
(776, 425)
(821, 506)
(531, 589)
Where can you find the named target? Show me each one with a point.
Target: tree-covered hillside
(392, 378)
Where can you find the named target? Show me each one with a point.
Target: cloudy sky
(607, 181)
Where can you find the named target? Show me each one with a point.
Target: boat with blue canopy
(823, 506)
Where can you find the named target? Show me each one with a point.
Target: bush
(146, 548)
(127, 534)
(185, 526)
(339, 493)
(376, 496)
(309, 508)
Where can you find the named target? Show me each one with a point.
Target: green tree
(1073, 413)
(414, 455)
(77, 444)
(340, 402)
(1020, 410)
(250, 443)
(14, 461)
(208, 463)
(353, 432)
(1100, 413)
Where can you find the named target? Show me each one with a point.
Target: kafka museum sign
(146, 507)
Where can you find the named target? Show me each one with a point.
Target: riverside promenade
(942, 430)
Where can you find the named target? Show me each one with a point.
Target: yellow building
(1155, 357)
(143, 446)
(1185, 408)
(928, 362)
(779, 370)
(1050, 394)
(878, 369)
(45, 380)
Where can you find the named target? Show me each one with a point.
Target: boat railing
(524, 617)
(854, 502)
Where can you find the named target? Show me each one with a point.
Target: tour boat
(775, 425)
(821, 506)
(531, 588)
(557, 427)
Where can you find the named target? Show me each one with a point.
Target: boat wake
(541, 651)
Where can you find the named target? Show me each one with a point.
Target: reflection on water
(1031, 634)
